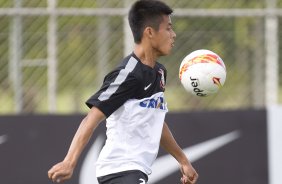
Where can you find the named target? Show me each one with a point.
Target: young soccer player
(132, 101)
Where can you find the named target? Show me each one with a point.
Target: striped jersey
(132, 98)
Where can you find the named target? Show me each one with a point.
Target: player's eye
(169, 28)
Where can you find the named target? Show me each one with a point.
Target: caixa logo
(155, 103)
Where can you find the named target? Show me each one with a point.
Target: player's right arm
(64, 170)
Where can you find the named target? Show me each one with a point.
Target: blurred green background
(89, 46)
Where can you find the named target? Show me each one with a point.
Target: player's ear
(148, 32)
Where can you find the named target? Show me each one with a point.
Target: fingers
(189, 180)
(51, 173)
(59, 173)
(194, 178)
(54, 175)
(58, 177)
(183, 180)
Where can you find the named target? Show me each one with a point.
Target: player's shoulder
(128, 68)
(161, 66)
(137, 69)
(123, 69)
(132, 63)
(129, 63)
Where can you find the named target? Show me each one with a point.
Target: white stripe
(88, 168)
(274, 137)
(3, 139)
(119, 80)
(167, 164)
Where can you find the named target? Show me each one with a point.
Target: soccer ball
(202, 73)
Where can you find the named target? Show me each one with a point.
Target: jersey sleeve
(115, 91)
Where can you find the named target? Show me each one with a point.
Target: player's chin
(170, 47)
(166, 52)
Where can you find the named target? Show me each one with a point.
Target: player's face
(164, 38)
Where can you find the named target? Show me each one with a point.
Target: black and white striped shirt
(132, 98)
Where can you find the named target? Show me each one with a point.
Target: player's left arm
(189, 174)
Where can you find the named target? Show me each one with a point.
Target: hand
(60, 172)
(189, 174)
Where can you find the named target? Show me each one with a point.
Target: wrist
(183, 160)
(70, 162)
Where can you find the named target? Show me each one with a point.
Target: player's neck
(146, 55)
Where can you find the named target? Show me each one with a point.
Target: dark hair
(145, 13)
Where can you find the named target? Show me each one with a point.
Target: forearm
(83, 134)
(169, 144)
(189, 174)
